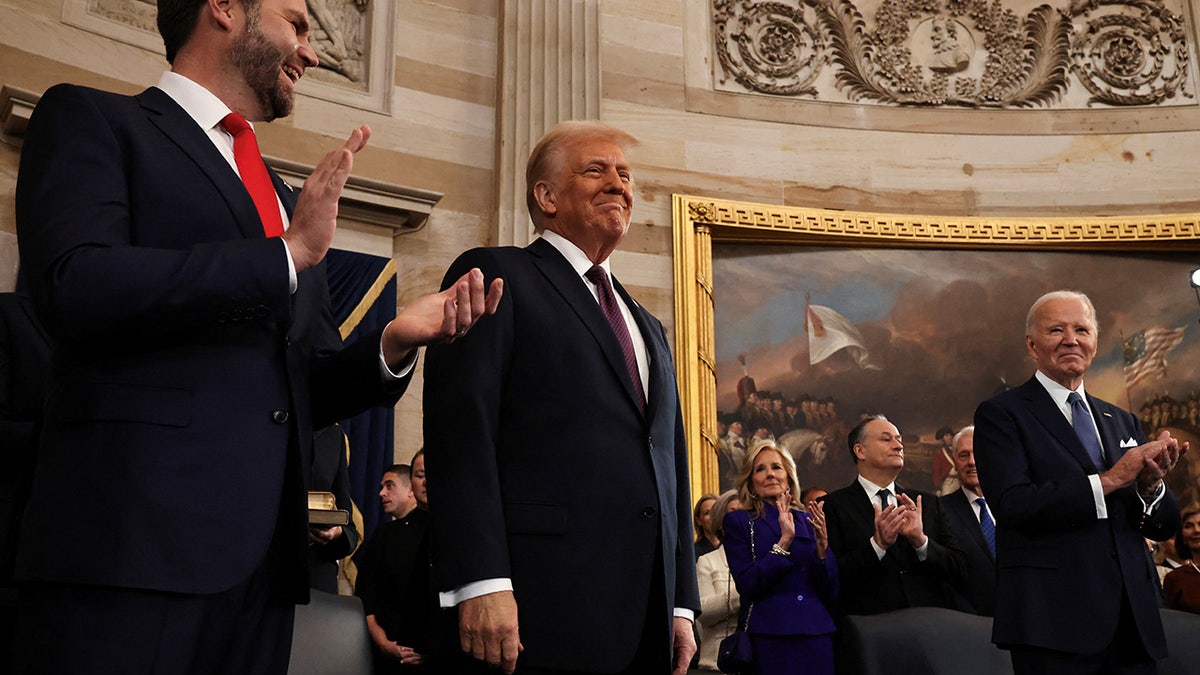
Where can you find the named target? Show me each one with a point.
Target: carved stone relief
(963, 53)
(338, 35)
(352, 43)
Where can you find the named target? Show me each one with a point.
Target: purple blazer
(790, 594)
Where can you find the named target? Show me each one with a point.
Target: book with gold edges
(323, 510)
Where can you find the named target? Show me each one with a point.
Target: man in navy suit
(553, 435)
(973, 524)
(1076, 489)
(193, 357)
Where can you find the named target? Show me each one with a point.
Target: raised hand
(787, 522)
(888, 523)
(816, 513)
(310, 232)
(440, 317)
(913, 527)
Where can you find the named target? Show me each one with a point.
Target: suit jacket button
(648, 512)
(279, 416)
(650, 441)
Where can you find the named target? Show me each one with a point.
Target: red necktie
(608, 303)
(254, 173)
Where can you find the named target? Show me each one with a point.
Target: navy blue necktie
(1081, 419)
(987, 526)
(883, 497)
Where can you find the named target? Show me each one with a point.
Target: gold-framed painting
(822, 316)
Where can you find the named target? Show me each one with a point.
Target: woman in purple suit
(783, 568)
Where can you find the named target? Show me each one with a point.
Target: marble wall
(437, 127)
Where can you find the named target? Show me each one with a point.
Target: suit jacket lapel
(164, 113)
(1046, 411)
(571, 287)
(960, 505)
(1109, 434)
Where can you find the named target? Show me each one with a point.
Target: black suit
(543, 470)
(187, 380)
(330, 474)
(24, 362)
(870, 584)
(1063, 574)
(979, 588)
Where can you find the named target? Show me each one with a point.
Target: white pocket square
(1129, 443)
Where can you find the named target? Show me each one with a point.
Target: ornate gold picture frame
(702, 223)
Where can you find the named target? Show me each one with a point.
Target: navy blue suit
(1061, 571)
(542, 469)
(979, 588)
(186, 380)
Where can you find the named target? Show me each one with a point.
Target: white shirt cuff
(685, 613)
(879, 552)
(405, 367)
(1148, 507)
(1098, 497)
(292, 283)
(923, 552)
(473, 590)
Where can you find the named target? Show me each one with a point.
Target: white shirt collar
(199, 103)
(1058, 392)
(872, 489)
(574, 255)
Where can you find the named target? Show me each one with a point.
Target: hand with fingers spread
(312, 225)
(440, 317)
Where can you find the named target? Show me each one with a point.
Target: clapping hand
(913, 527)
(816, 513)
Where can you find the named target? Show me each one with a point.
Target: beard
(260, 64)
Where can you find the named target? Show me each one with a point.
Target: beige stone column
(549, 73)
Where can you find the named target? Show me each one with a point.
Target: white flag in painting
(829, 332)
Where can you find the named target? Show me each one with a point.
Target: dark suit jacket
(871, 585)
(186, 380)
(330, 474)
(1035, 473)
(542, 469)
(979, 588)
(791, 594)
(24, 377)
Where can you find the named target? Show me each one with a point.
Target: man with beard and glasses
(193, 355)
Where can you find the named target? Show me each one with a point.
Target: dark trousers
(82, 630)
(1124, 655)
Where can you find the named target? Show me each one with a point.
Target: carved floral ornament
(972, 53)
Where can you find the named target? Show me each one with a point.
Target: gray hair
(1060, 295)
(962, 433)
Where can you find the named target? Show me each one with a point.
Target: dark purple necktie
(608, 303)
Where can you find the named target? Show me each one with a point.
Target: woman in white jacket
(719, 603)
